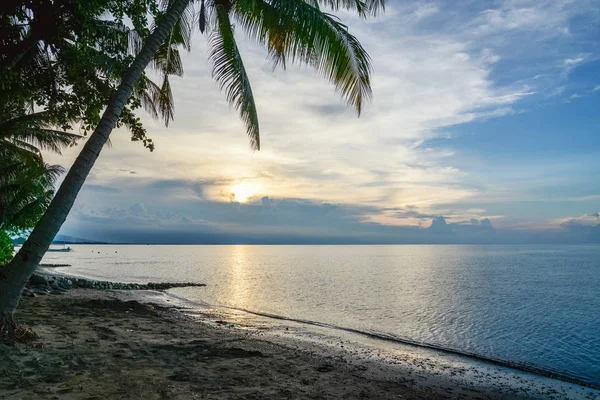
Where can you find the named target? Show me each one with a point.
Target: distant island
(63, 239)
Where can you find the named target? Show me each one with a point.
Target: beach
(97, 344)
(113, 344)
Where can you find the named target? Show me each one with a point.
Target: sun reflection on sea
(239, 287)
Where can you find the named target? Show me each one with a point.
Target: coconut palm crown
(292, 31)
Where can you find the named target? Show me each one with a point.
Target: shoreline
(408, 342)
(97, 344)
(538, 385)
(106, 285)
(106, 330)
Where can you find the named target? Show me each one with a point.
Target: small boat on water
(63, 250)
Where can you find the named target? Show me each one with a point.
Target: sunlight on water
(533, 305)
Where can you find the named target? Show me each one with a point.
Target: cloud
(413, 214)
(436, 65)
(584, 228)
(275, 220)
(439, 226)
(574, 61)
(582, 222)
(138, 210)
(195, 219)
(102, 188)
(426, 10)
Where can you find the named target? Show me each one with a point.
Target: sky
(484, 128)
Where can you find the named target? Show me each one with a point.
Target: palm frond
(147, 91)
(184, 27)
(167, 60)
(364, 8)
(21, 149)
(44, 139)
(181, 33)
(164, 101)
(229, 72)
(9, 170)
(39, 119)
(296, 30)
(26, 188)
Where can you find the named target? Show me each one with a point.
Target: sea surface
(535, 306)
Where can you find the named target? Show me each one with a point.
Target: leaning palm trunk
(15, 275)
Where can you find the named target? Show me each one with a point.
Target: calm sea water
(534, 305)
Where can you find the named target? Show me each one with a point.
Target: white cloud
(592, 219)
(426, 10)
(570, 62)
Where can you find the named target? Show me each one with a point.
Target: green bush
(7, 249)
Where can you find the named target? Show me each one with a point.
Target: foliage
(67, 57)
(26, 188)
(6, 248)
(28, 134)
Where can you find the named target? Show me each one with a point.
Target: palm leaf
(36, 139)
(296, 30)
(164, 101)
(26, 188)
(229, 72)
(167, 60)
(20, 149)
(146, 91)
(364, 8)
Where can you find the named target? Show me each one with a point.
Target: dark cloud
(101, 188)
(138, 210)
(585, 227)
(149, 211)
(475, 227)
(172, 185)
(328, 110)
(440, 226)
(414, 214)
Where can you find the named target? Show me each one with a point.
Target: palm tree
(28, 134)
(294, 30)
(26, 189)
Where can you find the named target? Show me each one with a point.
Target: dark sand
(102, 345)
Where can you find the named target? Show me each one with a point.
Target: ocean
(530, 306)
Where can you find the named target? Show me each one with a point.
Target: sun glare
(242, 192)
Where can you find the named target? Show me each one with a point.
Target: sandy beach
(98, 344)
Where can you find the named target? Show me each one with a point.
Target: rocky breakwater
(41, 284)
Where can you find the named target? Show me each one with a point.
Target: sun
(242, 192)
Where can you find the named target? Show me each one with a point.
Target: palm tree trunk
(15, 275)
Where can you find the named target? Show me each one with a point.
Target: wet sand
(96, 344)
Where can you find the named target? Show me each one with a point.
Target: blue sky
(483, 129)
